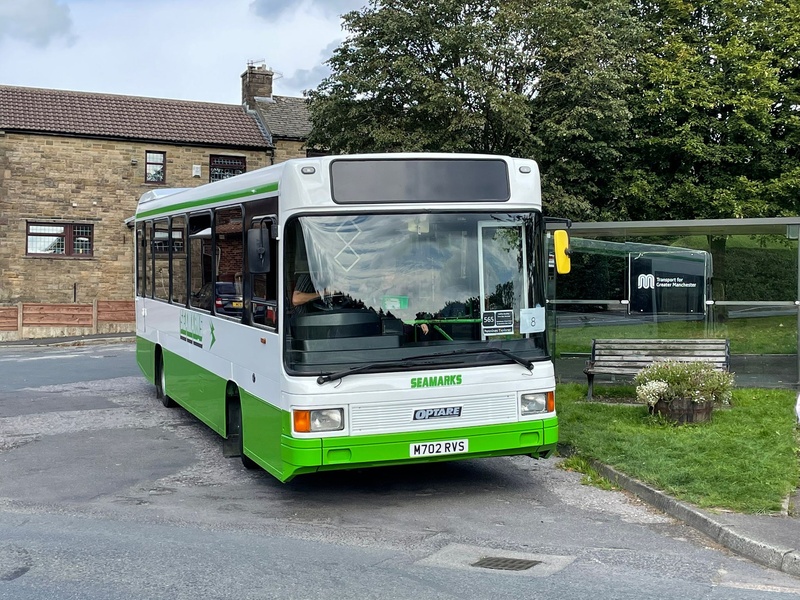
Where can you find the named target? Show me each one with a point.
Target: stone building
(72, 168)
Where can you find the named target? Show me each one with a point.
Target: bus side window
(229, 238)
(200, 260)
(264, 291)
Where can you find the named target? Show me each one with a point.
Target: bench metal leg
(590, 377)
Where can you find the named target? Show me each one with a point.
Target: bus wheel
(161, 384)
(248, 462)
(235, 439)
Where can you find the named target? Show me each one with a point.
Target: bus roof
(267, 181)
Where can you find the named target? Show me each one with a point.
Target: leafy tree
(717, 122)
(518, 77)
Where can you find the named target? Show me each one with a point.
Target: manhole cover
(506, 564)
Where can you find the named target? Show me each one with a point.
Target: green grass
(590, 474)
(745, 459)
(756, 335)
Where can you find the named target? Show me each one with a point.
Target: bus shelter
(723, 278)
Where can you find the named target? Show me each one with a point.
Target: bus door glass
(503, 263)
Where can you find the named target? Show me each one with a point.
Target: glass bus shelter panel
(763, 342)
(576, 330)
(753, 268)
(593, 275)
(757, 329)
(756, 269)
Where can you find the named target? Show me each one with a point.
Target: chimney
(256, 83)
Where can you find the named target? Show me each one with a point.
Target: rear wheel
(161, 383)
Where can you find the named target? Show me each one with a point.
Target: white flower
(651, 391)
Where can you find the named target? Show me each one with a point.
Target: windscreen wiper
(413, 361)
(528, 364)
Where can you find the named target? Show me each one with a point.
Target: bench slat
(629, 356)
(661, 348)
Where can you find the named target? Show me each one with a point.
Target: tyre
(161, 384)
(235, 431)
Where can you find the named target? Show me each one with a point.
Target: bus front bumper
(534, 438)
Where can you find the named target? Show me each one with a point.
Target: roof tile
(286, 117)
(131, 117)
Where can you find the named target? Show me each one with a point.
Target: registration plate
(438, 448)
(236, 304)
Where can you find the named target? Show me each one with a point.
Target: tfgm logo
(646, 282)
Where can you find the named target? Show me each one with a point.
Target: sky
(181, 49)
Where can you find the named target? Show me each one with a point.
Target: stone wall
(286, 149)
(47, 178)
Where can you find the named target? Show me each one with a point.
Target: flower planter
(683, 411)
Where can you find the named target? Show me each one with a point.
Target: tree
(716, 116)
(519, 77)
(717, 122)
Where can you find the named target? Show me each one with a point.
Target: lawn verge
(745, 459)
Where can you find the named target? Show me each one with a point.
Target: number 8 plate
(438, 448)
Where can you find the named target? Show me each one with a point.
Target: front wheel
(235, 437)
(161, 384)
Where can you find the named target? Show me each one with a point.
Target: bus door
(502, 258)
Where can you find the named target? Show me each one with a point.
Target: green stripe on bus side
(262, 189)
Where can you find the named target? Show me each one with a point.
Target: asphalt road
(105, 494)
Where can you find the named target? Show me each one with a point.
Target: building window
(155, 167)
(222, 167)
(65, 239)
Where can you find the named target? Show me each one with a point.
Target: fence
(32, 320)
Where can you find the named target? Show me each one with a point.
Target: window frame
(68, 236)
(242, 160)
(162, 164)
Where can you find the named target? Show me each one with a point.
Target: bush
(695, 381)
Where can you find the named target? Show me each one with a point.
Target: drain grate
(506, 564)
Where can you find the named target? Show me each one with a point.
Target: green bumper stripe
(361, 451)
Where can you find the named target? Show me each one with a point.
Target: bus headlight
(535, 403)
(313, 421)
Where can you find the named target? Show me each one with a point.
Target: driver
(304, 292)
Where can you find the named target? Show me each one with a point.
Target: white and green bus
(344, 312)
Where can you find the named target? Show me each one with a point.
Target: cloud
(273, 9)
(304, 79)
(37, 22)
(97, 50)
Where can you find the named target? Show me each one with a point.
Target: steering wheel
(332, 302)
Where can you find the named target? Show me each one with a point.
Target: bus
(343, 312)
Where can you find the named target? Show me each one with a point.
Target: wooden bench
(628, 357)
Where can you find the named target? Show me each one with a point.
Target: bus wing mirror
(258, 250)
(562, 251)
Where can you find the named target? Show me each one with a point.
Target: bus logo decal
(435, 381)
(436, 413)
(191, 327)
